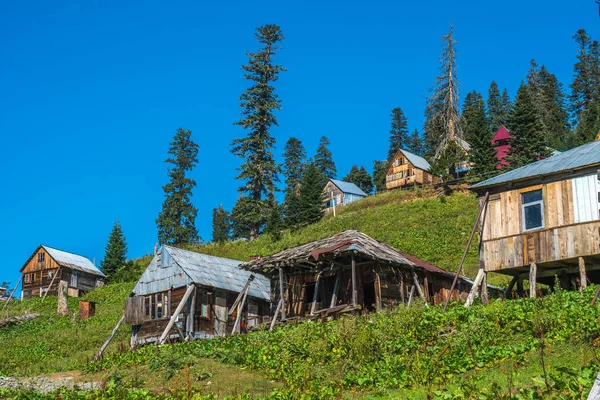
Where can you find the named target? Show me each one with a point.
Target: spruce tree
(243, 218)
(361, 178)
(221, 225)
(176, 221)
(291, 210)
(498, 107)
(582, 88)
(415, 143)
(380, 168)
(555, 115)
(528, 134)
(398, 132)
(477, 133)
(115, 255)
(588, 127)
(324, 159)
(259, 102)
(275, 223)
(294, 163)
(311, 197)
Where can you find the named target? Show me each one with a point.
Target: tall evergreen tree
(380, 168)
(275, 223)
(176, 221)
(415, 143)
(582, 87)
(115, 253)
(498, 106)
(588, 127)
(398, 132)
(361, 178)
(294, 163)
(324, 159)
(311, 195)
(243, 218)
(477, 133)
(528, 133)
(259, 102)
(221, 225)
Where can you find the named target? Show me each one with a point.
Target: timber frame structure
(350, 273)
(542, 222)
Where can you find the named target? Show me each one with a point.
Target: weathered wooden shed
(187, 295)
(47, 267)
(542, 220)
(347, 272)
(407, 170)
(339, 193)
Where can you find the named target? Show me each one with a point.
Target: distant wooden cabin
(349, 272)
(464, 166)
(407, 170)
(339, 193)
(542, 220)
(196, 292)
(47, 266)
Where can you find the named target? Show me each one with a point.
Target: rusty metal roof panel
(179, 267)
(74, 261)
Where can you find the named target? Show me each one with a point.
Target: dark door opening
(369, 296)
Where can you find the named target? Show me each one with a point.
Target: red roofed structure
(500, 141)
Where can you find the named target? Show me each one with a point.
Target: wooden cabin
(339, 193)
(542, 220)
(408, 170)
(349, 272)
(187, 295)
(47, 267)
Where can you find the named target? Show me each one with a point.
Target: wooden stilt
(180, 306)
(336, 289)
(532, 280)
(240, 295)
(582, 274)
(191, 311)
(475, 288)
(313, 305)
(418, 286)
(520, 290)
(484, 292)
(276, 314)
(410, 295)
(354, 292)
(378, 292)
(134, 332)
(282, 293)
(105, 345)
(508, 291)
(238, 318)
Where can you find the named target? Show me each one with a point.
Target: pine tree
(311, 195)
(361, 178)
(380, 168)
(324, 160)
(477, 133)
(415, 144)
(588, 127)
(243, 218)
(291, 211)
(258, 102)
(176, 221)
(115, 255)
(582, 88)
(498, 106)
(555, 116)
(275, 224)
(528, 133)
(294, 163)
(398, 132)
(221, 225)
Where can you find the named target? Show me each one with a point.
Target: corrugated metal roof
(417, 161)
(74, 261)
(348, 187)
(183, 267)
(579, 157)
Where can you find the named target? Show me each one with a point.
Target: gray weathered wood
(475, 288)
(279, 305)
(417, 285)
(532, 280)
(595, 392)
(180, 306)
(582, 274)
(483, 290)
(238, 318)
(105, 345)
(191, 312)
(354, 292)
(410, 296)
(282, 293)
(313, 305)
(336, 289)
(240, 295)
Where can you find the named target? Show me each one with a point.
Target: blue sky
(91, 93)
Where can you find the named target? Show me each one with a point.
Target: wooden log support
(134, 333)
(180, 306)
(313, 305)
(378, 292)
(282, 293)
(191, 312)
(50, 285)
(240, 295)
(483, 290)
(418, 286)
(105, 345)
(582, 274)
(354, 291)
(401, 283)
(475, 288)
(509, 288)
(279, 305)
(532, 280)
(595, 392)
(410, 296)
(336, 289)
(238, 318)
(520, 290)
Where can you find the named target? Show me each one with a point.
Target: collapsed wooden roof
(332, 249)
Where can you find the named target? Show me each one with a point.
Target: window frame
(155, 304)
(530, 204)
(203, 304)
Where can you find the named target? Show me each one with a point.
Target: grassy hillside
(435, 229)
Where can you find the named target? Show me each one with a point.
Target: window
(204, 308)
(532, 210)
(51, 274)
(74, 279)
(156, 305)
(27, 278)
(41, 257)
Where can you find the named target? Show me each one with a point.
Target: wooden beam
(313, 305)
(378, 292)
(281, 293)
(483, 290)
(50, 285)
(418, 286)
(180, 306)
(410, 296)
(191, 314)
(582, 274)
(354, 292)
(240, 295)
(509, 288)
(336, 289)
(474, 288)
(238, 318)
(595, 392)
(279, 305)
(105, 345)
(532, 280)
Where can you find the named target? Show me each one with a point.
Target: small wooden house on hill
(348, 271)
(339, 193)
(542, 220)
(407, 170)
(187, 295)
(47, 266)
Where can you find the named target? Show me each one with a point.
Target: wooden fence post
(582, 274)
(532, 280)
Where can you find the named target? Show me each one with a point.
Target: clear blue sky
(91, 93)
